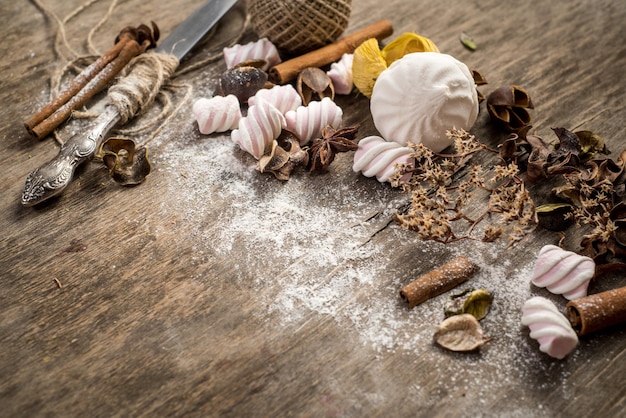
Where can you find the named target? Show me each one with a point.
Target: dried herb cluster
(588, 190)
(438, 209)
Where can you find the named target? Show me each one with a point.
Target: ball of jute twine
(298, 26)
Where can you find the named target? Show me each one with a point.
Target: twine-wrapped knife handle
(135, 91)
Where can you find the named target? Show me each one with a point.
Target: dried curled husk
(460, 333)
(473, 302)
(127, 164)
(369, 60)
(314, 84)
(508, 106)
(284, 156)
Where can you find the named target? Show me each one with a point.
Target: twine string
(146, 79)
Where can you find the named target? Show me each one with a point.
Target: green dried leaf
(590, 144)
(460, 333)
(473, 302)
(468, 42)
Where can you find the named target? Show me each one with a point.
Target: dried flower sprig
(588, 189)
(439, 202)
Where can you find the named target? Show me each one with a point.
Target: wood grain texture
(173, 301)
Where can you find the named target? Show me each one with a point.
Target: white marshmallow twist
(340, 74)
(284, 98)
(307, 122)
(563, 272)
(259, 128)
(377, 157)
(217, 114)
(549, 327)
(262, 49)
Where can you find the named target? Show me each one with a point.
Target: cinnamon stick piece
(438, 281)
(597, 312)
(288, 70)
(130, 50)
(76, 85)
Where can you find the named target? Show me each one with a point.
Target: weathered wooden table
(214, 290)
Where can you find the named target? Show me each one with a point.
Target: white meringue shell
(340, 74)
(259, 128)
(307, 122)
(549, 327)
(217, 114)
(421, 96)
(563, 272)
(262, 49)
(377, 157)
(284, 98)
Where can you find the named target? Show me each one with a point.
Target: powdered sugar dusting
(327, 262)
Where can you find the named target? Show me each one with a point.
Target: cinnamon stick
(438, 281)
(288, 70)
(130, 49)
(77, 84)
(597, 312)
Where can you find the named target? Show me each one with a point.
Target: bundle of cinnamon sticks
(130, 42)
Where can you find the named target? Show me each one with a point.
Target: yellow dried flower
(369, 60)
(407, 43)
(367, 64)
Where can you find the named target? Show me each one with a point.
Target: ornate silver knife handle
(51, 178)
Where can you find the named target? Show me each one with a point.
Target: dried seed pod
(242, 81)
(460, 333)
(314, 84)
(284, 156)
(479, 80)
(508, 106)
(127, 165)
(474, 302)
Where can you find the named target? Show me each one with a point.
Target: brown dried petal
(127, 165)
(508, 149)
(479, 79)
(284, 156)
(568, 143)
(460, 333)
(513, 96)
(314, 84)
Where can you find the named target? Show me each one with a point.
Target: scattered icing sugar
(332, 266)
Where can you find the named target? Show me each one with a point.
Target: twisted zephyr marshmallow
(217, 114)
(340, 74)
(549, 327)
(307, 122)
(262, 49)
(563, 272)
(284, 98)
(377, 157)
(259, 128)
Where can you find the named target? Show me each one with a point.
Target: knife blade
(54, 176)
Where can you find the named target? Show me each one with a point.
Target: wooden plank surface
(215, 290)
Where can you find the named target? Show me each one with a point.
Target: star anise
(322, 151)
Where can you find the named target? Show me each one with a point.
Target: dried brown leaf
(460, 333)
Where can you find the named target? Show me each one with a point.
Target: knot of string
(140, 83)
